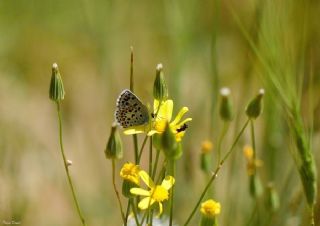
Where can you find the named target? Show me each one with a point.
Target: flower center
(160, 125)
(159, 194)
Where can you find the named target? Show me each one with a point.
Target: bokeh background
(203, 46)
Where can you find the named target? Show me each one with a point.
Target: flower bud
(226, 112)
(114, 145)
(56, 91)
(272, 201)
(205, 157)
(205, 162)
(126, 186)
(255, 186)
(160, 89)
(255, 107)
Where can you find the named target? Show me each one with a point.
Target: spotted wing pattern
(130, 111)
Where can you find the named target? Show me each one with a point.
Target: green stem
(312, 216)
(253, 140)
(136, 148)
(141, 149)
(134, 210)
(135, 137)
(116, 191)
(221, 137)
(214, 175)
(173, 165)
(131, 69)
(150, 157)
(214, 66)
(155, 164)
(128, 211)
(67, 168)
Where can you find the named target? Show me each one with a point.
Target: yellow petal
(179, 136)
(167, 182)
(139, 191)
(146, 179)
(183, 122)
(152, 132)
(179, 115)
(145, 203)
(135, 130)
(165, 111)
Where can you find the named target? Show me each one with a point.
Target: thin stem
(253, 140)
(312, 216)
(150, 157)
(151, 218)
(116, 191)
(214, 66)
(141, 149)
(143, 218)
(135, 137)
(214, 175)
(67, 168)
(173, 162)
(131, 69)
(128, 211)
(155, 164)
(134, 210)
(136, 149)
(221, 137)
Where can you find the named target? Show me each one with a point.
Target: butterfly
(130, 111)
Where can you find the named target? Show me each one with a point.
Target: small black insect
(182, 128)
(153, 115)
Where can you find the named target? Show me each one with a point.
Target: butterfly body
(130, 110)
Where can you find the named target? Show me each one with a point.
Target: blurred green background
(203, 47)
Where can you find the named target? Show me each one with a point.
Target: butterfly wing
(130, 110)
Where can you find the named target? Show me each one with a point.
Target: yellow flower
(210, 208)
(156, 194)
(206, 147)
(161, 115)
(252, 163)
(130, 172)
(248, 152)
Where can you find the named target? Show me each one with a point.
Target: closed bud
(255, 186)
(272, 201)
(160, 89)
(205, 162)
(114, 145)
(126, 186)
(226, 110)
(255, 107)
(56, 91)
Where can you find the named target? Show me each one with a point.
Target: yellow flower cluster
(252, 163)
(155, 193)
